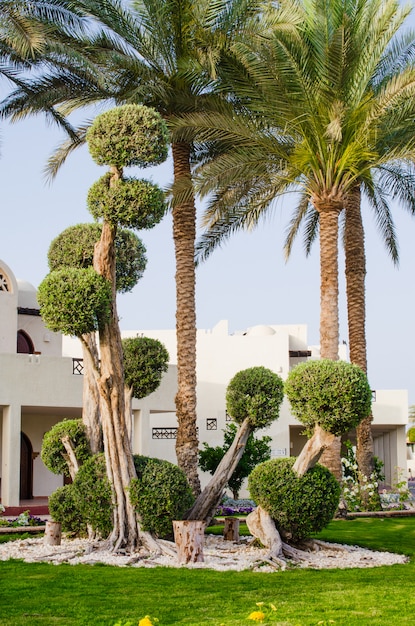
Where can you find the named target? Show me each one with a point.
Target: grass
(68, 595)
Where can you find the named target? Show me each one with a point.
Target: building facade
(41, 384)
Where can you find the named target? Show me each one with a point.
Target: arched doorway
(24, 343)
(26, 468)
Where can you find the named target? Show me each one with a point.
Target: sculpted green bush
(74, 301)
(334, 394)
(131, 202)
(256, 393)
(411, 435)
(299, 506)
(160, 494)
(86, 502)
(53, 453)
(63, 508)
(128, 135)
(74, 247)
(145, 361)
(92, 495)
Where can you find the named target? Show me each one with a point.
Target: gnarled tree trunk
(91, 416)
(207, 502)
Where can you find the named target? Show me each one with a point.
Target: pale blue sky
(247, 281)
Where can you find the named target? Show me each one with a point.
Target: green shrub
(74, 247)
(145, 362)
(53, 452)
(160, 494)
(257, 393)
(74, 301)
(92, 495)
(299, 506)
(63, 508)
(411, 435)
(334, 394)
(128, 135)
(135, 203)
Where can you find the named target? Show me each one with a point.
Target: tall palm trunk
(184, 235)
(329, 307)
(356, 313)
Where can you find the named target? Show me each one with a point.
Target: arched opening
(24, 343)
(26, 468)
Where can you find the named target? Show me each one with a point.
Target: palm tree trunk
(184, 234)
(329, 308)
(356, 312)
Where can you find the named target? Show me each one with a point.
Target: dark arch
(26, 468)
(24, 343)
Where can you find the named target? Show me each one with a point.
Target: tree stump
(188, 536)
(53, 533)
(231, 529)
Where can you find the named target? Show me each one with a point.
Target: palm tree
(331, 113)
(161, 53)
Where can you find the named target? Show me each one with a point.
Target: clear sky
(246, 282)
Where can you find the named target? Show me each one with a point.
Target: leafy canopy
(74, 247)
(74, 301)
(145, 361)
(334, 394)
(256, 393)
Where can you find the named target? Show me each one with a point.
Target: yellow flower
(146, 621)
(273, 607)
(259, 603)
(257, 616)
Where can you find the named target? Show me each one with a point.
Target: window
(24, 343)
(4, 282)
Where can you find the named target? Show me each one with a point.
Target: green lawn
(68, 595)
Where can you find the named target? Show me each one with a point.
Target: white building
(41, 384)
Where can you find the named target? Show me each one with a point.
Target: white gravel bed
(218, 555)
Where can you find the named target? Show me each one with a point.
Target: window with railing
(164, 433)
(78, 367)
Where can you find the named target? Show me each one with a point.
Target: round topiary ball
(131, 202)
(334, 394)
(127, 135)
(63, 509)
(299, 506)
(74, 301)
(53, 451)
(92, 495)
(145, 361)
(160, 494)
(256, 393)
(74, 247)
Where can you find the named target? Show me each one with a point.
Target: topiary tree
(145, 361)
(65, 447)
(329, 398)
(160, 494)
(129, 135)
(257, 450)
(298, 505)
(253, 400)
